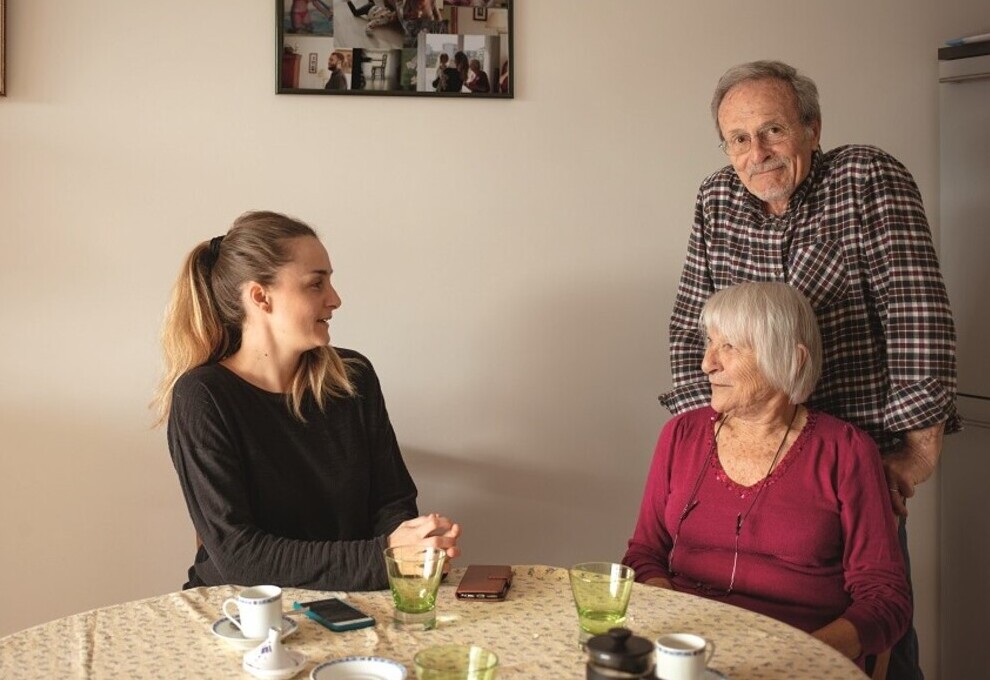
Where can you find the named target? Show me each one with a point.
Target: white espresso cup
(682, 656)
(259, 608)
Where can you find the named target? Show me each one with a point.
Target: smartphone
(335, 614)
(485, 582)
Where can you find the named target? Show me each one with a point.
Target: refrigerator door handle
(971, 422)
(974, 411)
(969, 77)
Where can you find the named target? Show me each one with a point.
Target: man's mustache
(772, 164)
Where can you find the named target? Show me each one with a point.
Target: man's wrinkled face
(769, 169)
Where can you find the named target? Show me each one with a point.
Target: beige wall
(517, 317)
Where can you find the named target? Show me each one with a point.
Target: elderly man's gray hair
(804, 88)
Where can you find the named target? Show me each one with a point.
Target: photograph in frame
(432, 48)
(3, 42)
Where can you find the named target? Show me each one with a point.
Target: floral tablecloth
(534, 632)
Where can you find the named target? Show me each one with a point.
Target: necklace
(740, 518)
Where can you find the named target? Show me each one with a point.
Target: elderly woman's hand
(912, 465)
(660, 582)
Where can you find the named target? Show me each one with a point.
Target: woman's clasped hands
(433, 530)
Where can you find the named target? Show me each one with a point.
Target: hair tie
(215, 247)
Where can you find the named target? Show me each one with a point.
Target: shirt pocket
(819, 271)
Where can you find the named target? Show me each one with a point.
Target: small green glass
(455, 662)
(414, 575)
(601, 595)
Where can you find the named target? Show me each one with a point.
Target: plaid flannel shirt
(855, 241)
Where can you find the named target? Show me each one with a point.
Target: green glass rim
(603, 569)
(464, 658)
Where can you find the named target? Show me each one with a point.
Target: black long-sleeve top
(275, 500)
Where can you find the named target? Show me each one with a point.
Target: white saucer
(298, 661)
(359, 668)
(712, 674)
(232, 635)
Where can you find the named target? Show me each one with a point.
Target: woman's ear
(257, 296)
(802, 356)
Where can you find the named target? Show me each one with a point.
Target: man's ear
(816, 134)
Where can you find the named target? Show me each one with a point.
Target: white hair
(773, 319)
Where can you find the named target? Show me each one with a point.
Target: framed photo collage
(433, 48)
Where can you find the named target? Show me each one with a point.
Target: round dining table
(534, 632)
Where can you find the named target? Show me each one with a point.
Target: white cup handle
(226, 603)
(710, 646)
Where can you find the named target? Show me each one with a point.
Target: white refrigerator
(964, 477)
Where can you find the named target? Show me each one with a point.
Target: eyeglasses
(770, 134)
(692, 502)
(704, 588)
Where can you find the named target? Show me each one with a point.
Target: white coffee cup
(683, 656)
(259, 609)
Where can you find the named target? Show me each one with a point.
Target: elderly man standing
(848, 229)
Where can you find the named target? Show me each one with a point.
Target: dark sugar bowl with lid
(619, 654)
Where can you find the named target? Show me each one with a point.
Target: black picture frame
(395, 48)
(3, 44)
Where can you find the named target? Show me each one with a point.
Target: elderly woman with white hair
(765, 502)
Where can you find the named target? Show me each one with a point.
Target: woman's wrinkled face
(738, 385)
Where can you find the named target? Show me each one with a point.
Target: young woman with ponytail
(283, 447)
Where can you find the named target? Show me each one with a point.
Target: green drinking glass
(455, 662)
(414, 575)
(601, 594)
